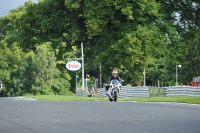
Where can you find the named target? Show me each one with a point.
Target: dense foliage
(127, 35)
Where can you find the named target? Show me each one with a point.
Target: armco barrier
(135, 91)
(144, 91)
(128, 92)
(182, 91)
(80, 93)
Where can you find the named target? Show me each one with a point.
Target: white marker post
(83, 82)
(144, 73)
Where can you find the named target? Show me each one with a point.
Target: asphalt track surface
(18, 115)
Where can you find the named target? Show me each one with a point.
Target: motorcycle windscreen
(115, 82)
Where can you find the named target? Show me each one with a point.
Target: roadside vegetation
(126, 35)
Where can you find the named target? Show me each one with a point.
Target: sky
(7, 5)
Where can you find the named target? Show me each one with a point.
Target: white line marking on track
(23, 98)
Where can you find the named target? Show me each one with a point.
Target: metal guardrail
(80, 93)
(144, 91)
(126, 91)
(182, 91)
(136, 91)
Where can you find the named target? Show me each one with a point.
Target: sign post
(76, 83)
(83, 83)
(75, 65)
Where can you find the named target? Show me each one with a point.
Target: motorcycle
(114, 89)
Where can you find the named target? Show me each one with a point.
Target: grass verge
(180, 99)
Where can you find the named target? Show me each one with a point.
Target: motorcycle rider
(111, 77)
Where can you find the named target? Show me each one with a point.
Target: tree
(184, 15)
(45, 71)
(126, 35)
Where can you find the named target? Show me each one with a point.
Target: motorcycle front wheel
(115, 96)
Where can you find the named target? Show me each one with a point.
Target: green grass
(66, 98)
(180, 99)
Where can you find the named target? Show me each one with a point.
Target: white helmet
(114, 73)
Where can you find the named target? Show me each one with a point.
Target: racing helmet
(114, 73)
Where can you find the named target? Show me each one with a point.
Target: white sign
(73, 65)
